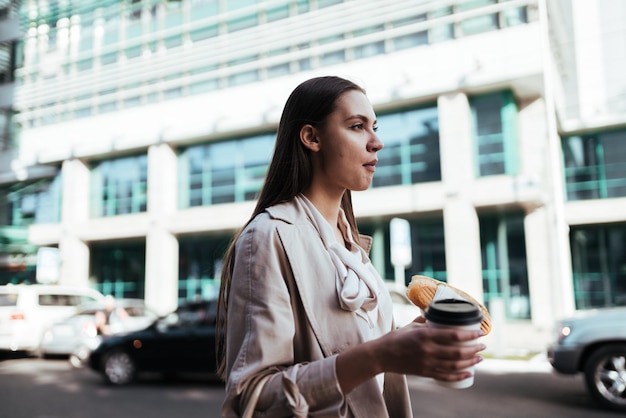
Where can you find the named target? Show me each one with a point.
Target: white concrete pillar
(539, 256)
(161, 270)
(461, 226)
(462, 234)
(74, 212)
(74, 261)
(161, 292)
(550, 296)
(589, 36)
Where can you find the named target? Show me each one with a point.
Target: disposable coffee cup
(458, 314)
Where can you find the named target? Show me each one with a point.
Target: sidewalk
(537, 364)
(517, 340)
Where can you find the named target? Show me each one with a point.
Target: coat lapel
(335, 328)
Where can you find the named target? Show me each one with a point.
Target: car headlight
(564, 332)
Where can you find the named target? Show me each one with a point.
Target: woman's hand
(430, 352)
(415, 349)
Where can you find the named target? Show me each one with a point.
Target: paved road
(35, 388)
(508, 389)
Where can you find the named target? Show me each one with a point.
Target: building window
(204, 32)
(441, 32)
(241, 23)
(8, 61)
(599, 265)
(481, 23)
(118, 269)
(595, 165)
(201, 9)
(411, 40)
(108, 59)
(111, 25)
(495, 132)
(427, 248)
(369, 50)
(277, 12)
(119, 186)
(32, 203)
(8, 130)
(200, 266)
(503, 252)
(411, 153)
(224, 172)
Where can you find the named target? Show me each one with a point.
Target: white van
(27, 310)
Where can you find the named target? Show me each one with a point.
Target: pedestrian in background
(307, 321)
(103, 316)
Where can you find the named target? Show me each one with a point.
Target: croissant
(422, 289)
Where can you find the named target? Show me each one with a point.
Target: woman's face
(348, 144)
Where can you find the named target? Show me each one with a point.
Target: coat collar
(289, 212)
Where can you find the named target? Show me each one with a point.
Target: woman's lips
(371, 166)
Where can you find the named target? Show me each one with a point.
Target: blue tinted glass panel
(120, 186)
(411, 152)
(225, 172)
(489, 132)
(201, 9)
(505, 271)
(595, 165)
(599, 265)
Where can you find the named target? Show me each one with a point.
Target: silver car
(594, 343)
(67, 336)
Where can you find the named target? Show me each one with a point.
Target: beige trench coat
(284, 319)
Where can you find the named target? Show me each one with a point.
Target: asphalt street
(37, 388)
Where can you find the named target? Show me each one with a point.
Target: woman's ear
(309, 137)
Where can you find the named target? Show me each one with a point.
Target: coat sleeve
(261, 328)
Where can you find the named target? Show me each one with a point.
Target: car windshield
(193, 314)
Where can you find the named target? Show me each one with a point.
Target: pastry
(422, 290)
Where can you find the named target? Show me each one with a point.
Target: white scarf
(356, 279)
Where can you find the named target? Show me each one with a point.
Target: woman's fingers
(439, 353)
(453, 352)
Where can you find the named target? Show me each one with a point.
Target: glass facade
(23, 204)
(495, 131)
(89, 36)
(411, 153)
(118, 269)
(595, 165)
(224, 172)
(119, 186)
(18, 256)
(599, 265)
(234, 170)
(503, 254)
(200, 265)
(428, 248)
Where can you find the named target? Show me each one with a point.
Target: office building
(504, 124)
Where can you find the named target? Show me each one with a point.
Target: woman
(301, 303)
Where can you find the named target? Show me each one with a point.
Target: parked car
(77, 334)
(27, 310)
(404, 311)
(594, 343)
(181, 342)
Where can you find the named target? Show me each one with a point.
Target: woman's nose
(375, 144)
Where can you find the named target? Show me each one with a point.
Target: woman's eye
(357, 126)
(375, 129)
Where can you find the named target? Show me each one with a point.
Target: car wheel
(119, 368)
(605, 376)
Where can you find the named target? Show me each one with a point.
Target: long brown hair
(289, 173)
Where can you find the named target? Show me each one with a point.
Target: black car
(181, 342)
